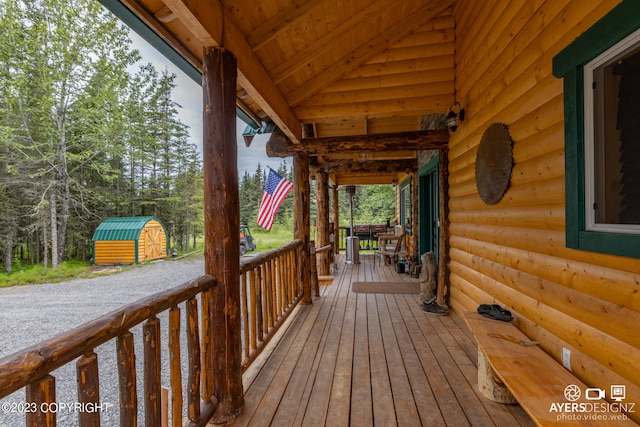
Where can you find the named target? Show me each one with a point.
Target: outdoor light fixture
(454, 119)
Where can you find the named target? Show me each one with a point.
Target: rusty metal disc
(494, 163)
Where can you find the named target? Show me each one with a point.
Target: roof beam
(376, 167)
(369, 50)
(278, 146)
(212, 27)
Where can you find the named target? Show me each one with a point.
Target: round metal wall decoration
(494, 163)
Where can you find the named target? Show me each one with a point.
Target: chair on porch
(391, 249)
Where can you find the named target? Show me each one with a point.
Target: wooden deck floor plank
(423, 341)
(383, 407)
(460, 332)
(364, 359)
(270, 401)
(319, 390)
(277, 365)
(306, 365)
(423, 396)
(403, 398)
(361, 400)
(440, 339)
(339, 402)
(458, 343)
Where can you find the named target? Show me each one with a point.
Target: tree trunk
(54, 231)
(8, 255)
(63, 218)
(45, 247)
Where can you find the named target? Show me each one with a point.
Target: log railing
(269, 290)
(31, 368)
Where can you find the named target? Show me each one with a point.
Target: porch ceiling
(341, 68)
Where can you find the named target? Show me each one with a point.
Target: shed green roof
(122, 228)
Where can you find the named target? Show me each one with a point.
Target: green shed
(129, 240)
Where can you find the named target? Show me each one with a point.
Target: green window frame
(569, 64)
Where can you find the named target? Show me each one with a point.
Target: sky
(188, 94)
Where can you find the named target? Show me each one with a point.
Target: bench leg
(489, 385)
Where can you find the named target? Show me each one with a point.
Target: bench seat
(536, 380)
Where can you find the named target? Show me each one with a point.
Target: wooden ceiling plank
(421, 65)
(370, 94)
(383, 108)
(280, 22)
(278, 146)
(390, 80)
(207, 20)
(329, 41)
(363, 54)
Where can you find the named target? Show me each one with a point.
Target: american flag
(275, 191)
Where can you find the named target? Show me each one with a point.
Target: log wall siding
(514, 252)
(115, 252)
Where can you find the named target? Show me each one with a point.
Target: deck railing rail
(270, 290)
(31, 368)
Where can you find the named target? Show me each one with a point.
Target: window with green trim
(601, 72)
(405, 205)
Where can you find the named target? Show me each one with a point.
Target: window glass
(612, 139)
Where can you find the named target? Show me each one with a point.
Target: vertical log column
(414, 216)
(301, 215)
(322, 221)
(335, 207)
(443, 236)
(221, 225)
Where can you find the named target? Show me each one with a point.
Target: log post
(443, 236)
(415, 244)
(41, 394)
(88, 389)
(221, 223)
(322, 221)
(335, 206)
(489, 385)
(315, 289)
(175, 369)
(152, 375)
(127, 380)
(301, 215)
(193, 355)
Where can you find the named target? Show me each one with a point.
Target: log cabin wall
(514, 253)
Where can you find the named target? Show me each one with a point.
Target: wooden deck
(370, 359)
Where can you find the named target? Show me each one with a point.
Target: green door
(428, 207)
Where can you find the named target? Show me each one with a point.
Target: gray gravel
(30, 314)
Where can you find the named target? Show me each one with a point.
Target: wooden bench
(534, 378)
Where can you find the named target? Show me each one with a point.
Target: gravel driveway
(32, 313)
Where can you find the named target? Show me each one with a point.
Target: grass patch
(279, 235)
(33, 274)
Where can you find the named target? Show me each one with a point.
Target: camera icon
(595, 394)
